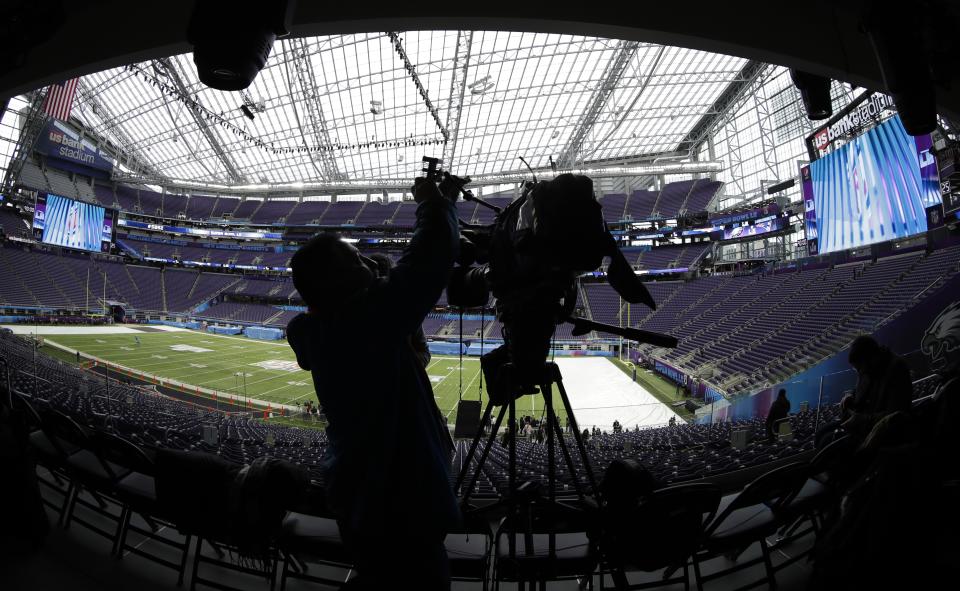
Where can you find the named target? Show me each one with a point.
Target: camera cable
(460, 370)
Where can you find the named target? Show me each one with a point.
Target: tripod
(551, 376)
(521, 498)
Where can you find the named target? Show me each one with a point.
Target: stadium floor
(266, 372)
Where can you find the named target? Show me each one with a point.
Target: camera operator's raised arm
(418, 279)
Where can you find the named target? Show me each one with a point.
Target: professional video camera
(529, 259)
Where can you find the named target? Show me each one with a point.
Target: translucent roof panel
(349, 107)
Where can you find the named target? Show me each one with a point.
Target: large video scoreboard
(876, 187)
(74, 224)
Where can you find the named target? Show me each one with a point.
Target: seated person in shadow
(778, 410)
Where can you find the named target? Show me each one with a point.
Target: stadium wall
(933, 324)
(445, 348)
(13, 319)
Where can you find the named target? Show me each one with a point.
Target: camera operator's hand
(424, 189)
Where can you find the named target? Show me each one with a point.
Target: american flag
(59, 99)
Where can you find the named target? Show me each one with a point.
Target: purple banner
(809, 211)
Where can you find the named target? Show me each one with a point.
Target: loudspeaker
(468, 418)
(815, 92)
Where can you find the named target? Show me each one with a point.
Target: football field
(261, 370)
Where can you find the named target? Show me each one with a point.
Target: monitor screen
(875, 188)
(74, 224)
(758, 229)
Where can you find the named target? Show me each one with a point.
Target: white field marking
(192, 378)
(101, 341)
(258, 381)
(158, 357)
(173, 363)
(180, 347)
(125, 348)
(135, 361)
(277, 365)
(292, 400)
(283, 387)
(201, 334)
(467, 388)
(111, 347)
(297, 383)
(189, 349)
(437, 379)
(218, 363)
(198, 365)
(186, 380)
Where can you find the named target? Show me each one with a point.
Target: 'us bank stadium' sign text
(850, 122)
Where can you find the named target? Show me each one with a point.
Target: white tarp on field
(601, 393)
(53, 329)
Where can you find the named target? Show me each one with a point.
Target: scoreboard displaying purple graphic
(875, 188)
(74, 224)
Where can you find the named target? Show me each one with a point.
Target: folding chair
(48, 454)
(137, 493)
(747, 517)
(469, 548)
(192, 489)
(87, 470)
(315, 540)
(662, 532)
(544, 544)
(817, 492)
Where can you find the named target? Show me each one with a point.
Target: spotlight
(815, 92)
(232, 39)
(247, 112)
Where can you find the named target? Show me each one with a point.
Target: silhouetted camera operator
(387, 470)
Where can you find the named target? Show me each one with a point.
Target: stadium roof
(369, 106)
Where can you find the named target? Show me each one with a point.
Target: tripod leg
(512, 450)
(569, 460)
(547, 391)
(512, 474)
(483, 456)
(582, 450)
(473, 447)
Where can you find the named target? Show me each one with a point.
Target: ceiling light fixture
(481, 86)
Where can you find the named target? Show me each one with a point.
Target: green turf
(662, 390)
(60, 354)
(216, 369)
